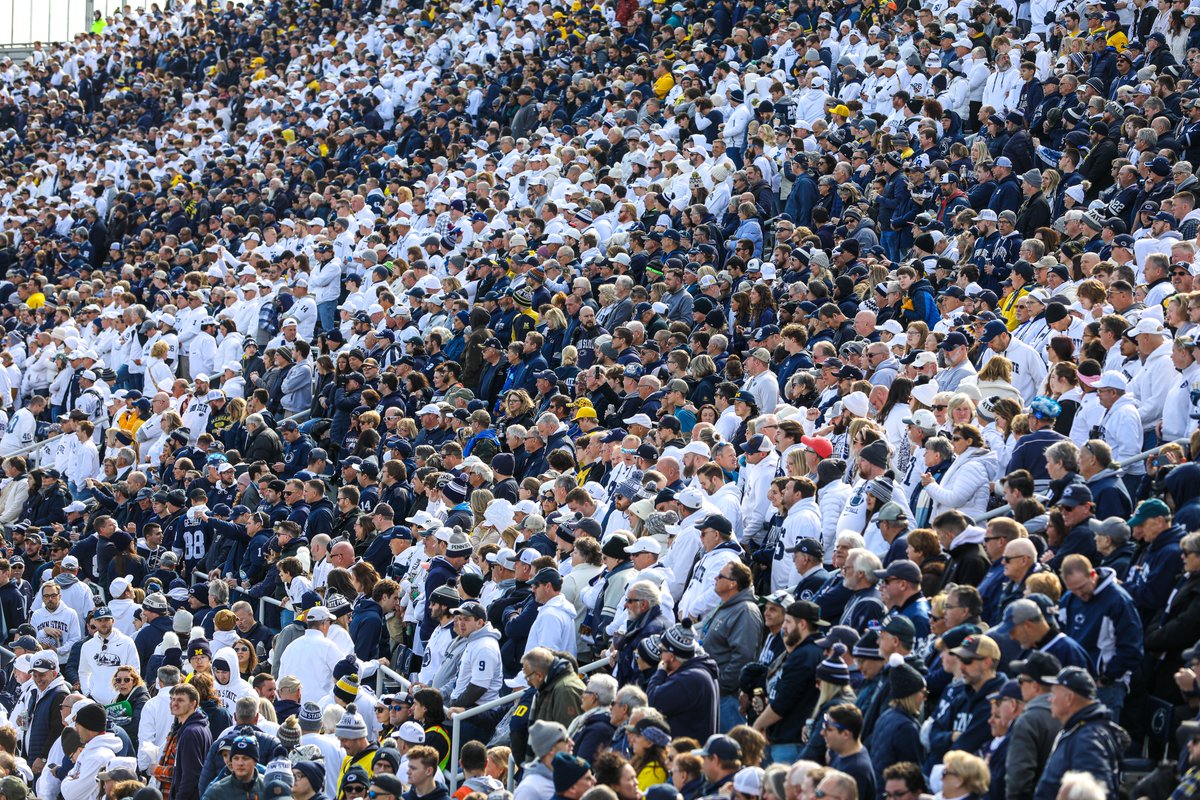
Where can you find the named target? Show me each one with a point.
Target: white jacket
(153, 727)
(12, 500)
(554, 626)
(700, 596)
(311, 659)
(1149, 387)
(831, 499)
(965, 485)
(756, 508)
(98, 663)
(326, 281)
(803, 521)
(80, 783)
(1121, 428)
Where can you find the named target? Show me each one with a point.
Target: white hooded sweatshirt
(80, 783)
(99, 660)
(230, 692)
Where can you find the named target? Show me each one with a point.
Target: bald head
(342, 555)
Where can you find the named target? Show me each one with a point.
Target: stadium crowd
(780, 401)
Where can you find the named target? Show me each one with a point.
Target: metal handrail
(506, 700)
(1005, 509)
(383, 673)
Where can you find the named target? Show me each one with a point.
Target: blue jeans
(327, 316)
(786, 754)
(1113, 696)
(890, 242)
(730, 714)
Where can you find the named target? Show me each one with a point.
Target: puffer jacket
(964, 487)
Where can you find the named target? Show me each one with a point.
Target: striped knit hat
(680, 640)
(346, 689)
(833, 669)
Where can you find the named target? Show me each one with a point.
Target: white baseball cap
(646, 544)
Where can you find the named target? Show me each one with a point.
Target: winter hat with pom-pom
(903, 679)
(833, 669)
(680, 640)
(289, 733)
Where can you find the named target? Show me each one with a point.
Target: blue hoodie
(366, 629)
(1106, 625)
(1184, 485)
(1154, 571)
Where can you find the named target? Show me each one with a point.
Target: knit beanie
(182, 623)
(314, 771)
(881, 488)
(543, 735)
(351, 726)
(346, 689)
(278, 780)
(657, 522)
(568, 769)
(310, 718)
(903, 679)
(875, 453)
(680, 639)
(289, 732)
(833, 669)
(347, 666)
(649, 649)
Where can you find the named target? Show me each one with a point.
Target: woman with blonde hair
(995, 380)
(960, 410)
(483, 531)
(833, 689)
(964, 776)
(160, 375)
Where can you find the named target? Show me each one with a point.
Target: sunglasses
(939, 407)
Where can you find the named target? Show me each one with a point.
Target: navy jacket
(896, 738)
(367, 629)
(1107, 626)
(1153, 573)
(688, 697)
(1089, 742)
(194, 742)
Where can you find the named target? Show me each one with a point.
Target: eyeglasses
(957, 438)
(122, 680)
(936, 617)
(724, 578)
(939, 407)
(374, 794)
